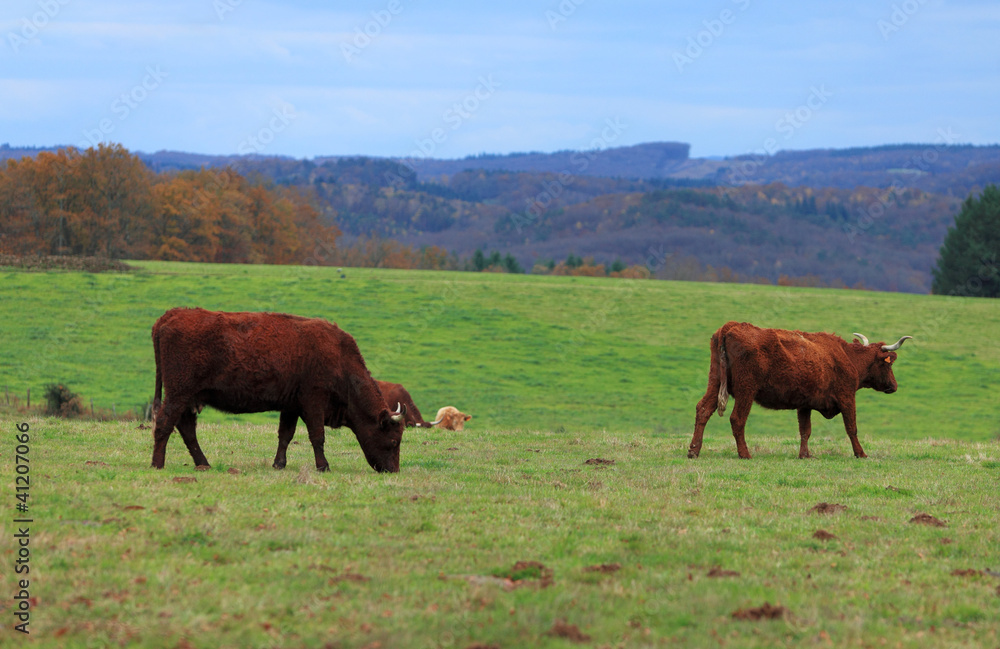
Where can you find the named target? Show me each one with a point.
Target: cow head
(879, 375)
(450, 418)
(382, 449)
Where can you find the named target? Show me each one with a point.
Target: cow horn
(864, 341)
(435, 423)
(400, 411)
(896, 345)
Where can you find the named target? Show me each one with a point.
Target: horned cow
(396, 393)
(304, 368)
(791, 370)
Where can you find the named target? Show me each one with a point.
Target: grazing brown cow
(791, 370)
(255, 362)
(396, 393)
(451, 419)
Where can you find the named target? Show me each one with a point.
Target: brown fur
(789, 370)
(395, 393)
(255, 362)
(451, 419)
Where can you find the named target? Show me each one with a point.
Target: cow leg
(738, 420)
(851, 424)
(805, 430)
(286, 431)
(317, 436)
(187, 427)
(703, 412)
(166, 418)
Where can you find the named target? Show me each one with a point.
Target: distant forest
(872, 218)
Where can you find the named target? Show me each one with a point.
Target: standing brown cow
(255, 362)
(791, 370)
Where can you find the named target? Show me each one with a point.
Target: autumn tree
(92, 203)
(969, 260)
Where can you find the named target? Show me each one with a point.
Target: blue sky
(450, 79)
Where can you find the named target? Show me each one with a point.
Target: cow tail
(723, 376)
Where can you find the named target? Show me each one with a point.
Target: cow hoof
(692, 455)
(860, 455)
(324, 468)
(276, 465)
(806, 456)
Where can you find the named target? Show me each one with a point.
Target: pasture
(504, 535)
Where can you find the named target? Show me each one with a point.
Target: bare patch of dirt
(599, 461)
(870, 518)
(828, 508)
(184, 479)
(96, 463)
(132, 507)
(927, 519)
(203, 467)
(716, 571)
(143, 427)
(451, 448)
(968, 572)
(571, 632)
(524, 571)
(480, 645)
(823, 535)
(763, 612)
(946, 541)
(348, 576)
(233, 471)
(604, 568)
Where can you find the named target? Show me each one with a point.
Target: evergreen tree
(511, 265)
(478, 261)
(969, 260)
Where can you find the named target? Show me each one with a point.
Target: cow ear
(468, 417)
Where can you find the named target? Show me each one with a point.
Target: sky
(414, 78)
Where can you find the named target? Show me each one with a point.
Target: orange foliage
(105, 202)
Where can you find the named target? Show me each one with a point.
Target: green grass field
(556, 371)
(543, 353)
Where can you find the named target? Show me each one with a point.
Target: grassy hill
(567, 514)
(531, 352)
